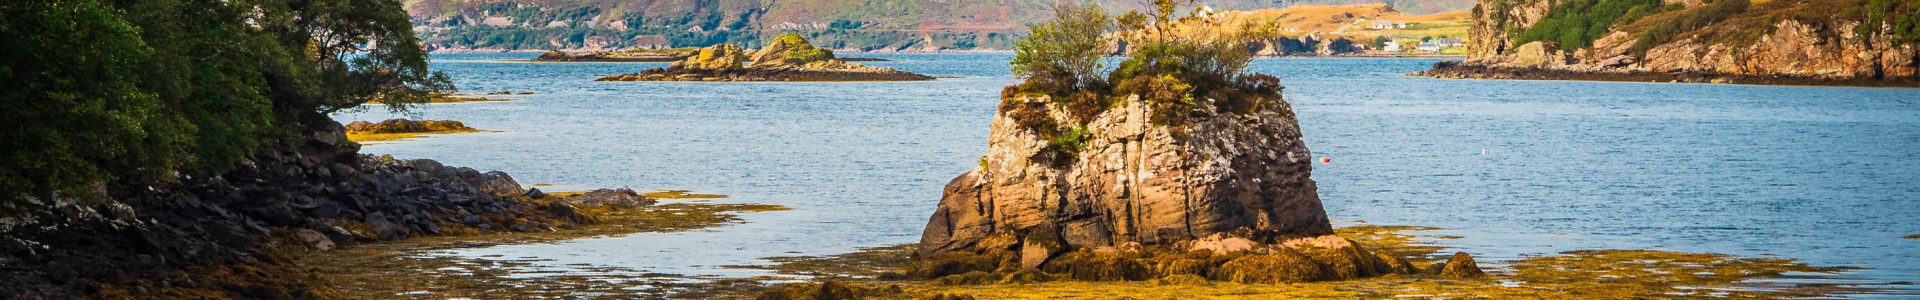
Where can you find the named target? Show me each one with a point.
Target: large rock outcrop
(1719, 41)
(1135, 180)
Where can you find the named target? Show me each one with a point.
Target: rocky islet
(631, 55)
(785, 58)
(318, 194)
(396, 129)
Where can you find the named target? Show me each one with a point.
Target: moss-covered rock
(1182, 279)
(1026, 276)
(952, 263)
(968, 278)
(1460, 266)
(946, 296)
(716, 57)
(1280, 266)
(406, 126)
(789, 50)
(811, 291)
(1340, 257)
(1089, 265)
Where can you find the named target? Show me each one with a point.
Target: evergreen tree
(144, 90)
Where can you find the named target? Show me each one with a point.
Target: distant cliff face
(1869, 40)
(912, 25)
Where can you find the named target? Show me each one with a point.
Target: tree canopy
(100, 90)
(1174, 56)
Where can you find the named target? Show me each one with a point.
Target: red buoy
(1326, 160)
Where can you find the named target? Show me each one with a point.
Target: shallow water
(1827, 175)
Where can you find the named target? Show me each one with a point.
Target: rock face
(786, 58)
(1758, 45)
(1136, 181)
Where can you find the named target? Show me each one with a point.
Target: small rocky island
(629, 55)
(788, 57)
(397, 129)
(1717, 41)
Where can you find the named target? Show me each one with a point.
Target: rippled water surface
(1827, 175)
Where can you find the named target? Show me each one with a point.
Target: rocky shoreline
(1469, 70)
(1732, 41)
(641, 55)
(231, 236)
(797, 75)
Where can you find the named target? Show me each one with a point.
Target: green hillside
(873, 25)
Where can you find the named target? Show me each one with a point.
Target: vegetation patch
(1574, 24)
(1671, 26)
(798, 49)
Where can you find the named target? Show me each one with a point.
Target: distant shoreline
(853, 51)
(1460, 70)
(1370, 55)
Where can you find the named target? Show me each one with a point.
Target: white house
(1430, 46)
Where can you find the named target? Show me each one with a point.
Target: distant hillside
(1864, 42)
(869, 25)
(1371, 25)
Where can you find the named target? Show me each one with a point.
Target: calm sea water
(1826, 175)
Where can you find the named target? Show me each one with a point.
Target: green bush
(1070, 141)
(1574, 24)
(1903, 16)
(1063, 55)
(1685, 21)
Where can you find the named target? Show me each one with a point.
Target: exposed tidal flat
(1514, 169)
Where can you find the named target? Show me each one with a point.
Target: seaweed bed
(1586, 274)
